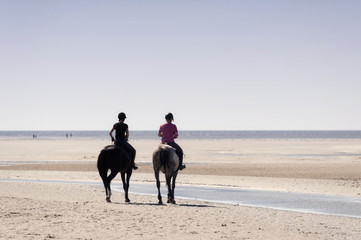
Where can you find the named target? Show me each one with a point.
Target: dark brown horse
(166, 160)
(117, 160)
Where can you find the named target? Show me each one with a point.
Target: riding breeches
(128, 148)
(178, 151)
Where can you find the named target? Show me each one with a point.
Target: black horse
(117, 160)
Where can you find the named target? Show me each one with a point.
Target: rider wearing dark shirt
(121, 137)
(120, 131)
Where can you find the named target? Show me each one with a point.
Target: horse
(117, 160)
(166, 160)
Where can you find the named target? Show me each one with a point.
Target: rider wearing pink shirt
(168, 131)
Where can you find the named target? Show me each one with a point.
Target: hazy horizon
(186, 130)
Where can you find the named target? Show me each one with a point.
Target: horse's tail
(102, 164)
(164, 156)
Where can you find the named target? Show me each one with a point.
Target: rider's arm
(111, 133)
(175, 135)
(126, 134)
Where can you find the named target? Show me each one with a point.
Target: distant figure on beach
(168, 132)
(121, 137)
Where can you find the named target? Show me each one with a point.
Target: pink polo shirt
(168, 131)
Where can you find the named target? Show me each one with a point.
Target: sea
(206, 135)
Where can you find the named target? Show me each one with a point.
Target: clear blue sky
(233, 65)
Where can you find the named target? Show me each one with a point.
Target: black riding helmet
(169, 116)
(121, 116)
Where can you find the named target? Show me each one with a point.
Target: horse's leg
(126, 184)
(129, 174)
(103, 175)
(168, 180)
(156, 172)
(109, 179)
(173, 186)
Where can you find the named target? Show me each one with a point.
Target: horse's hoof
(108, 199)
(160, 203)
(127, 200)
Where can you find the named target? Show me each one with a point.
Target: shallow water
(297, 202)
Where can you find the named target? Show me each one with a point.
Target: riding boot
(134, 166)
(181, 165)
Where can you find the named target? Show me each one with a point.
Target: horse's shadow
(196, 205)
(137, 204)
(144, 204)
(156, 204)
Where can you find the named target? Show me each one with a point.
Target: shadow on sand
(195, 205)
(156, 204)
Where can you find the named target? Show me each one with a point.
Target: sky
(215, 64)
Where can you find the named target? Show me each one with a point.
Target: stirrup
(135, 167)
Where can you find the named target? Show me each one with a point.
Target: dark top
(120, 129)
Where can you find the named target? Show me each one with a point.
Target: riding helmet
(121, 116)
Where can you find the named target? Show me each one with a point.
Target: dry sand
(39, 210)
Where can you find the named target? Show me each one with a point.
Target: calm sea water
(139, 135)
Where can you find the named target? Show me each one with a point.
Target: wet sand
(31, 210)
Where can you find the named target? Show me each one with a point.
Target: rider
(121, 137)
(168, 132)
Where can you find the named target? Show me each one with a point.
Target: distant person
(121, 137)
(168, 132)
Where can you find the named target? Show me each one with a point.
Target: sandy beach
(59, 210)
